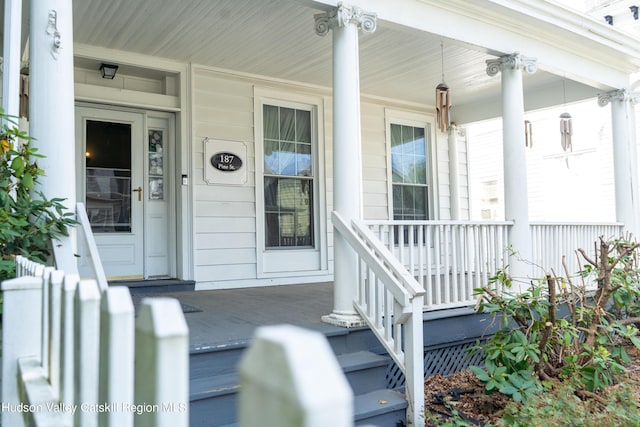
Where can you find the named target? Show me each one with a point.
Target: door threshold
(155, 286)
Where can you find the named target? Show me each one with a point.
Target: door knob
(139, 191)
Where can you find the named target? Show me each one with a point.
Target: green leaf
(480, 373)
(27, 180)
(18, 166)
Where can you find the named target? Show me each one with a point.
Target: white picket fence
(290, 377)
(73, 356)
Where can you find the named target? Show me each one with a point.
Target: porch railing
(552, 241)
(86, 372)
(448, 258)
(391, 301)
(86, 239)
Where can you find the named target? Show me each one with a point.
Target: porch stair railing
(86, 239)
(391, 301)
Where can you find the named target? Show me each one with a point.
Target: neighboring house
(575, 185)
(564, 186)
(222, 144)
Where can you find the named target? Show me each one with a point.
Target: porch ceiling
(276, 38)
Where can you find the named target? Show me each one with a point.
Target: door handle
(139, 191)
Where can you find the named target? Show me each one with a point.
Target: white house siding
(225, 215)
(225, 227)
(374, 162)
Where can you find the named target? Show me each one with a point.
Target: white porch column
(625, 158)
(51, 101)
(345, 21)
(11, 57)
(515, 161)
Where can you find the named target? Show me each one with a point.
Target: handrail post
(414, 360)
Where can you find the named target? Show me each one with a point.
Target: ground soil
(465, 393)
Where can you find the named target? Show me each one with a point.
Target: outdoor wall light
(108, 71)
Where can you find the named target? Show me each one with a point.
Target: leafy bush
(28, 220)
(560, 406)
(554, 331)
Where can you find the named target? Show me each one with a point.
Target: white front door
(123, 181)
(112, 188)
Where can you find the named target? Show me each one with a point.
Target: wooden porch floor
(229, 317)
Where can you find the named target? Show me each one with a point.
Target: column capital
(343, 15)
(621, 95)
(513, 61)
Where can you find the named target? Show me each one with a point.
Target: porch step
(214, 397)
(383, 408)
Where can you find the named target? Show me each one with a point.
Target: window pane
(271, 157)
(287, 124)
(287, 159)
(408, 141)
(420, 144)
(420, 203)
(271, 122)
(396, 135)
(410, 202)
(288, 212)
(397, 202)
(421, 170)
(303, 126)
(304, 160)
(270, 194)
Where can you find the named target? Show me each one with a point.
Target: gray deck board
(232, 315)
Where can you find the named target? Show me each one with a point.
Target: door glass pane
(108, 175)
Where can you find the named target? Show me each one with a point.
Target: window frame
(270, 261)
(416, 120)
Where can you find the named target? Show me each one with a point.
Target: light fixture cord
(442, 58)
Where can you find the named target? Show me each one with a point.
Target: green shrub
(538, 343)
(560, 406)
(28, 220)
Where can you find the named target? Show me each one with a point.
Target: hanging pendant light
(443, 99)
(566, 126)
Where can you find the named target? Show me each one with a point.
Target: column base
(344, 320)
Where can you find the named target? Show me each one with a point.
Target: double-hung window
(288, 178)
(410, 184)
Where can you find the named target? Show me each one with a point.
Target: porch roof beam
(589, 48)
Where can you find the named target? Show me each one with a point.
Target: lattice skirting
(445, 360)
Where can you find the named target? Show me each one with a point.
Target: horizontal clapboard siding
(225, 219)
